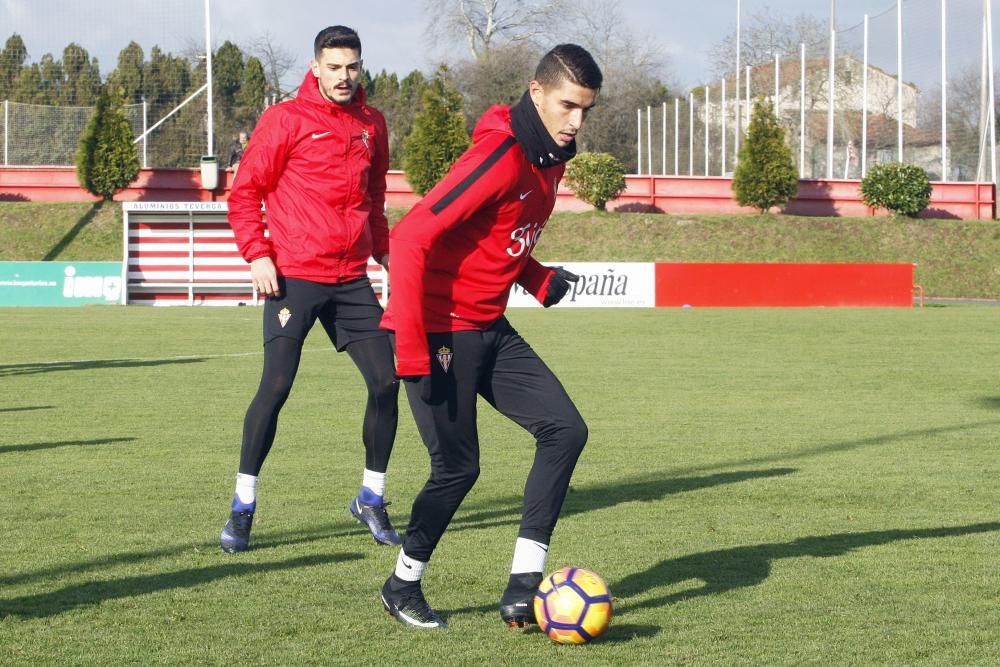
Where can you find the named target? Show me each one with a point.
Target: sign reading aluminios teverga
(60, 283)
(601, 285)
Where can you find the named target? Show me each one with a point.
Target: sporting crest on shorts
(444, 355)
(284, 316)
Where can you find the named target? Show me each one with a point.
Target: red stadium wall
(667, 194)
(783, 285)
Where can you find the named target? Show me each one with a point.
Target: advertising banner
(60, 283)
(601, 285)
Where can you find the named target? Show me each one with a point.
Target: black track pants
(372, 356)
(501, 367)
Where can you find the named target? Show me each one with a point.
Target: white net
(55, 55)
(871, 119)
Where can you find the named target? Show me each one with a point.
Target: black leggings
(500, 366)
(372, 356)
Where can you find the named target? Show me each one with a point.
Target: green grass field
(761, 487)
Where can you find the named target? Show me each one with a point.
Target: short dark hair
(569, 62)
(336, 37)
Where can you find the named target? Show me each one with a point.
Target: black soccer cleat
(405, 602)
(377, 520)
(236, 533)
(517, 605)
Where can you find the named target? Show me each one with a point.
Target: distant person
(455, 257)
(318, 162)
(236, 150)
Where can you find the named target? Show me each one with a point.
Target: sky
(392, 31)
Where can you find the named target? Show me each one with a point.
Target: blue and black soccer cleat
(377, 520)
(236, 533)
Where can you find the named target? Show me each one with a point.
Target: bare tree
(278, 61)
(766, 33)
(484, 24)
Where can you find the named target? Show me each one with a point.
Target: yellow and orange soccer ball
(573, 606)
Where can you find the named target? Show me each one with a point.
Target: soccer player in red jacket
(318, 162)
(455, 257)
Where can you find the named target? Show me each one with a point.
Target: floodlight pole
(6, 128)
(899, 77)
(638, 141)
(992, 107)
(944, 90)
(864, 107)
(802, 110)
(737, 88)
(208, 79)
(830, 95)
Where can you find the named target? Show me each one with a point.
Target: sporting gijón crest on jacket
(457, 253)
(320, 169)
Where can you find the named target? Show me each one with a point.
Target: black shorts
(348, 311)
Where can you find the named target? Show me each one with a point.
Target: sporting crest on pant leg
(284, 316)
(444, 355)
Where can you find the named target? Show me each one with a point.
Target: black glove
(558, 285)
(424, 382)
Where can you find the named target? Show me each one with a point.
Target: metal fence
(913, 83)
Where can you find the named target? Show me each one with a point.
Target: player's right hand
(264, 276)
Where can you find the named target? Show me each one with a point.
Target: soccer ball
(573, 605)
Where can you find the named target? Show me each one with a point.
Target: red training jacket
(457, 253)
(319, 167)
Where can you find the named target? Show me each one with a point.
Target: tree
(766, 175)
(399, 102)
(12, 59)
(484, 24)
(82, 77)
(764, 34)
(250, 97)
(106, 160)
(438, 135)
(500, 78)
(277, 61)
(127, 76)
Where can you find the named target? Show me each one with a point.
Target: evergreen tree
(128, 75)
(12, 59)
(81, 80)
(438, 135)
(766, 175)
(227, 78)
(106, 160)
(250, 97)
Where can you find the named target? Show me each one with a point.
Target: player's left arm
(377, 221)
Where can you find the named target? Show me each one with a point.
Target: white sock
(246, 488)
(374, 481)
(409, 569)
(529, 556)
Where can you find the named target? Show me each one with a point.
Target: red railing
(668, 194)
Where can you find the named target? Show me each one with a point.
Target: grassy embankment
(953, 258)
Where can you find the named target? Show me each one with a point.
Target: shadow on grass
(66, 240)
(263, 540)
(38, 446)
(741, 567)
(602, 496)
(28, 408)
(9, 370)
(990, 402)
(844, 446)
(95, 592)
